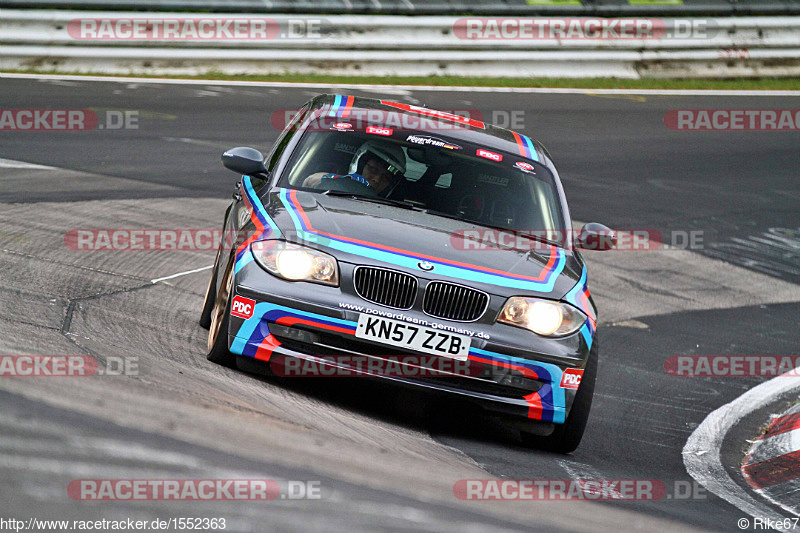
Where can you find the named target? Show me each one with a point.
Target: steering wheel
(346, 185)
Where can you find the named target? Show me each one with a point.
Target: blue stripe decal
(552, 393)
(249, 330)
(574, 297)
(277, 312)
(244, 257)
(410, 261)
(244, 261)
(255, 201)
(284, 196)
(587, 334)
(529, 145)
(337, 103)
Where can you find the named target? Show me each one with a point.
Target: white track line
(181, 274)
(12, 163)
(439, 88)
(702, 449)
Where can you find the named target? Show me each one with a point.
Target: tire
(218, 351)
(566, 437)
(208, 301)
(254, 366)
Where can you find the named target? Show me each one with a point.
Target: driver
(379, 166)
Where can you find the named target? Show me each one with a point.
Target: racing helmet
(391, 154)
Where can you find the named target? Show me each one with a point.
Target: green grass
(579, 83)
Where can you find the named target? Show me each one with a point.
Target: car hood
(428, 246)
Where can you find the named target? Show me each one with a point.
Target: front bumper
(318, 323)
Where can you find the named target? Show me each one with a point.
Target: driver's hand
(314, 180)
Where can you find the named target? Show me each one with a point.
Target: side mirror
(243, 160)
(596, 236)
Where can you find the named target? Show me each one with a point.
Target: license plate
(413, 337)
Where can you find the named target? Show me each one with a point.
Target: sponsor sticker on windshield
(342, 126)
(458, 119)
(375, 130)
(347, 148)
(489, 155)
(432, 141)
(493, 180)
(525, 167)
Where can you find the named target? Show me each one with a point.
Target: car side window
(283, 140)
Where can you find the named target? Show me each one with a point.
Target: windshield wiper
(449, 215)
(374, 199)
(478, 223)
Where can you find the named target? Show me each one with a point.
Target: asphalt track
(386, 459)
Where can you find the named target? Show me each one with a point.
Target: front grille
(386, 287)
(454, 302)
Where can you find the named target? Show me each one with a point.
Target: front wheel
(208, 301)
(218, 351)
(567, 436)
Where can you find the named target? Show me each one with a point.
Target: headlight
(543, 317)
(296, 263)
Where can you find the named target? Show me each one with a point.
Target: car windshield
(427, 172)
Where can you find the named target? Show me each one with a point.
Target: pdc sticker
(525, 167)
(342, 126)
(571, 379)
(489, 155)
(242, 307)
(380, 131)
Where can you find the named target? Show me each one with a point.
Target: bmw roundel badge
(426, 266)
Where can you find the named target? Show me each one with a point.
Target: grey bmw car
(417, 246)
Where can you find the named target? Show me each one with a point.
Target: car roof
(471, 130)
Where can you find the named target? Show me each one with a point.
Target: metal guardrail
(610, 8)
(399, 45)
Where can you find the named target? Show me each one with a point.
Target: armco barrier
(612, 8)
(384, 45)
